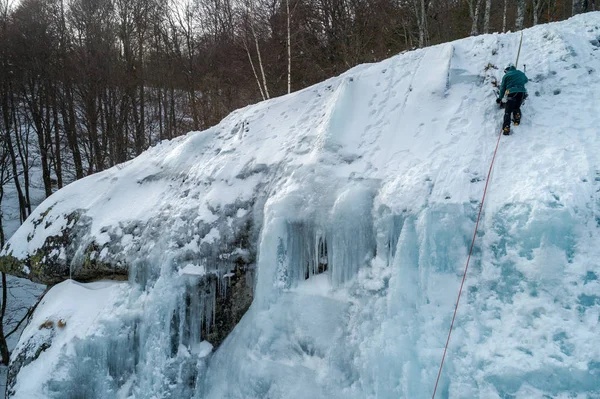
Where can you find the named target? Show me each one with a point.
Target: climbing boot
(517, 119)
(506, 131)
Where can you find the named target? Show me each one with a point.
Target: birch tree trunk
(420, 12)
(260, 63)
(424, 34)
(289, 49)
(520, 14)
(262, 93)
(474, 16)
(504, 17)
(250, 16)
(486, 16)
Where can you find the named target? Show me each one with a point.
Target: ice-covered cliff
(344, 214)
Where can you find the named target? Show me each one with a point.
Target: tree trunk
(520, 15)
(48, 138)
(486, 16)
(173, 129)
(262, 68)
(474, 16)
(260, 88)
(9, 146)
(68, 111)
(57, 155)
(141, 127)
(260, 63)
(3, 345)
(3, 179)
(160, 113)
(289, 49)
(421, 15)
(504, 16)
(4, 352)
(95, 156)
(23, 149)
(36, 111)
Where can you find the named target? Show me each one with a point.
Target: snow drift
(353, 203)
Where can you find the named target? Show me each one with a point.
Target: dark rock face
(231, 306)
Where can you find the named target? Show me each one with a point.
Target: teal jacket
(513, 82)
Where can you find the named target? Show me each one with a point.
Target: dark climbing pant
(513, 106)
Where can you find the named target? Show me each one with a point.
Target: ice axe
(502, 103)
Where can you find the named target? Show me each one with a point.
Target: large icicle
(352, 233)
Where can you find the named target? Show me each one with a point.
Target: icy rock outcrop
(50, 263)
(75, 252)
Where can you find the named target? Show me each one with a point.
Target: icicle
(321, 253)
(352, 235)
(301, 256)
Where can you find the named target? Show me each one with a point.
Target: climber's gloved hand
(498, 101)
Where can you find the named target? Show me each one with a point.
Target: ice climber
(513, 86)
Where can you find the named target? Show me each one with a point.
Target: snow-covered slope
(360, 196)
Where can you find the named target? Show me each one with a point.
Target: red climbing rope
(466, 266)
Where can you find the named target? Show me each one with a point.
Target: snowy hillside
(346, 210)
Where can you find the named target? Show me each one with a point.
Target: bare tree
(579, 6)
(289, 47)
(474, 7)
(250, 18)
(421, 13)
(260, 86)
(536, 11)
(4, 179)
(183, 22)
(3, 344)
(504, 16)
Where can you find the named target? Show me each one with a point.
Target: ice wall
(377, 327)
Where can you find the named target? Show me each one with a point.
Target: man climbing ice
(513, 86)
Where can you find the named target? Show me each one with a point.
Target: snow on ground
(377, 174)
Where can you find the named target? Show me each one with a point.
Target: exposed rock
(64, 255)
(232, 306)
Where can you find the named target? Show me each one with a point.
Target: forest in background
(88, 84)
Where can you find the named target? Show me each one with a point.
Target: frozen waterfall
(344, 213)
